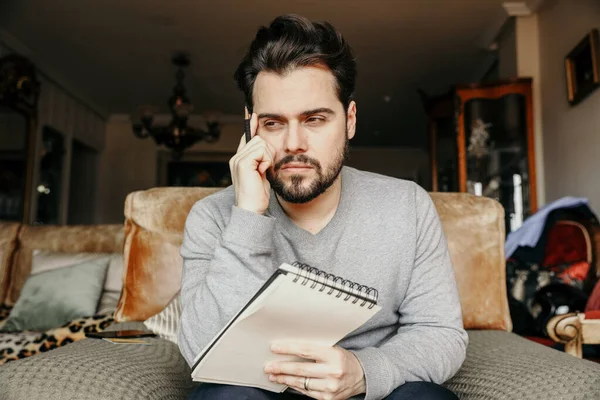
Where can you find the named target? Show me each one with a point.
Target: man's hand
(249, 171)
(335, 373)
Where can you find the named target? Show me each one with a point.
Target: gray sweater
(385, 233)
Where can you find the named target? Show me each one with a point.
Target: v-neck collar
(294, 230)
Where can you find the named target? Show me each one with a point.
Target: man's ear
(351, 120)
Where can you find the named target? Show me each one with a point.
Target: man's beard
(295, 192)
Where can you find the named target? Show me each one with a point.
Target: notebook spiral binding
(351, 290)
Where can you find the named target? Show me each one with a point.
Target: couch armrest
(502, 365)
(96, 369)
(574, 330)
(566, 329)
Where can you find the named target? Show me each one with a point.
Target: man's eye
(315, 120)
(272, 124)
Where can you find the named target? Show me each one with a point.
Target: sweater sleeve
(430, 343)
(222, 269)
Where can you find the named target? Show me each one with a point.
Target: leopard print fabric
(14, 346)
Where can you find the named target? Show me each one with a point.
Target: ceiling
(117, 53)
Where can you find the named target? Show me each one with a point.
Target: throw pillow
(114, 276)
(51, 298)
(154, 222)
(166, 323)
(108, 302)
(44, 260)
(112, 286)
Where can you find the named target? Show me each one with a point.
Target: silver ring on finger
(306, 380)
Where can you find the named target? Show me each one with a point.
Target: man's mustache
(300, 158)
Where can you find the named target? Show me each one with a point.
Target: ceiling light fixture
(178, 135)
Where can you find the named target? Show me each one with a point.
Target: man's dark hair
(292, 41)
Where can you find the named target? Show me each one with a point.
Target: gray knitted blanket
(499, 366)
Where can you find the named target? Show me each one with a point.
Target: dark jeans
(410, 390)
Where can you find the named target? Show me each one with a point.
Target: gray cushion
(94, 369)
(502, 365)
(51, 298)
(499, 366)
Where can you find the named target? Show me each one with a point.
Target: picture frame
(582, 68)
(198, 169)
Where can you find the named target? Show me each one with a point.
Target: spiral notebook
(298, 302)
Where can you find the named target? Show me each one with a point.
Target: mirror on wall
(19, 93)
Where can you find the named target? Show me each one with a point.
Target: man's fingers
(242, 143)
(263, 166)
(304, 350)
(253, 125)
(246, 149)
(255, 150)
(302, 369)
(255, 158)
(317, 387)
(253, 131)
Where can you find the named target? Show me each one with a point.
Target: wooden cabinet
(19, 91)
(481, 142)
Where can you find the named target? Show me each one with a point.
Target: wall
(84, 184)
(59, 108)
(507, 50)
(571, 134)
(519, 56)
(128, 163)
(400, 162)
(528, 65)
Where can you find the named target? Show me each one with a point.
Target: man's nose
(295, 140)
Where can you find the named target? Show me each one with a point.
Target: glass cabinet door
(495, 135)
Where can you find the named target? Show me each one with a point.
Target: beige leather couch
(18, 240)
(499, 364)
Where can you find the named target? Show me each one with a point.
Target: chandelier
(178, 135)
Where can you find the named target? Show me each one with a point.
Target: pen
(247, 125)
